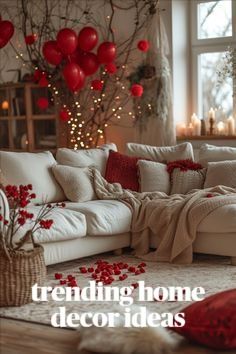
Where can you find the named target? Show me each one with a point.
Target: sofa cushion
(161, 153)
(68, 224)
(153, 177)
(221, 173)
(76, 182)
(104, 217)
(32, 168)
(212, 322)
(183, 182)
(221, 220)
(86, 158)
(211, 153)
(122, 169)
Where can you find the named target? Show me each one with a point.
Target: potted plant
(21, 266)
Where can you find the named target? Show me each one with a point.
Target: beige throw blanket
(173, 219)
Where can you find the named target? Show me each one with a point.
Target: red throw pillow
(122, 169)
(212, 322)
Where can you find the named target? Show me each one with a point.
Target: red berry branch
(19, 198)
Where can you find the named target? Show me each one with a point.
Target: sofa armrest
(4, 207)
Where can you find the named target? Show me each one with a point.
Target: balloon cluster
(6, 32)
(74, 53)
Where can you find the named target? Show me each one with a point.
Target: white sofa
(93, 227)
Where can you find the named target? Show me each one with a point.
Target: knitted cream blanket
(173, 219)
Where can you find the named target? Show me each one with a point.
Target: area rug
(213, 273)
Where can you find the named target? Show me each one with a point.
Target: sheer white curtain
(156, 127)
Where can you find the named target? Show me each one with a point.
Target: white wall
(180, 53)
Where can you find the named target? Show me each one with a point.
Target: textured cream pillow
(221, 173)
(31, 168)
(161, 154)
(96, 158)
(211, 153)
(184, 181)
(76, 182)
(153, 177)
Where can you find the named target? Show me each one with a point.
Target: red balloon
(52, 53)
(64, 115)
(137, 90)
(106, 52)
(111, 68)
(67, 41)
(42, 103)
(30, 39)
(143, 45)
(6, 32)
(76, 56)
(43, 82)
(97, 85)
(89, 63)
(74, 76)
(88, 38)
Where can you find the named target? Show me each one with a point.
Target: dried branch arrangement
(96, 96)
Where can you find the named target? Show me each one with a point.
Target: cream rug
(213, 273)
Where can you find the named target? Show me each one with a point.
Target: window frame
(206, 45)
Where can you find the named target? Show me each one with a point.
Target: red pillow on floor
(212, 322)
(122, 169)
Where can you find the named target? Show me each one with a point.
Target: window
(213, 33)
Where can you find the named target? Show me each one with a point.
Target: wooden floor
(19, 337)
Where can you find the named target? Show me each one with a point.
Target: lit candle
(197, 127)
(221, 128)
(193, 118)
(181, 129)
(212, 114)
(190, 129)
(230, 125)
(5, 105)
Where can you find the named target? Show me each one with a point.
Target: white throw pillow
(163, 154)
(153, 177)
(184, 181)
(32, 168)
(77, 182)
(96, 158)
(211, 153)
(221, 173)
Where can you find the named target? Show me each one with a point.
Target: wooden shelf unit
(207, 137)
(23, 126)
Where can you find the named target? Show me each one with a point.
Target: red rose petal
(135, 285)
(58, 275)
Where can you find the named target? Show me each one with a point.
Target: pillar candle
(193, 118)
(212, 114)
(197, 127)
(230, 125)
(181, 129)
(221, 128)
(190, 129)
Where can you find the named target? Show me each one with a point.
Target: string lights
(90, 111)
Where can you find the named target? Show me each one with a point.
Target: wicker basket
(19, 275)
